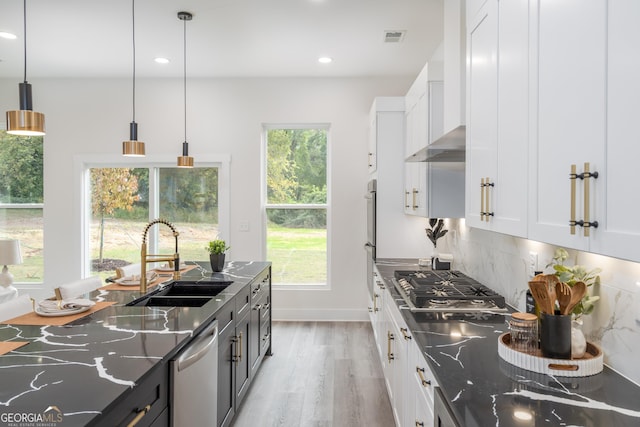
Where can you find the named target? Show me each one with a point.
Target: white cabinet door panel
(513, 115)
(482, 119)
(618, 233)
(567, 111)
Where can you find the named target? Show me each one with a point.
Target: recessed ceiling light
(9, 36)
(162, 60)
(325, 60)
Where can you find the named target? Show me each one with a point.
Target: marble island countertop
(83, 367)
(484, 390)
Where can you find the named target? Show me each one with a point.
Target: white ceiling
(226, 38)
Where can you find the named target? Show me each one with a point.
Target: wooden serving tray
(590, 364)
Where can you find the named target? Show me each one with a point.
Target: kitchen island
(88, 371)
(481, 389)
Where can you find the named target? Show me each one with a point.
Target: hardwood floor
(321, 374)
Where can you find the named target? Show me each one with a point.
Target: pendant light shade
(133, 147)
(25, 121)
(185, 161)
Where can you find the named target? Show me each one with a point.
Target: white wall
(225, 116)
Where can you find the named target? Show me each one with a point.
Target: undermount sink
(181, 294)
(193, 289)
(163, 301)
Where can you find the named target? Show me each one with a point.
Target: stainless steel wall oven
(370, 245)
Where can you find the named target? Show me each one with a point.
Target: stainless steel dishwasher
(194, 381)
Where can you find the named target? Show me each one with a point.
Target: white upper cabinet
(553, 96)
(417, 114)
(567, 121)
(415, 192)
(482, 114)
(616, 201)
(497, 115)
(583, 112)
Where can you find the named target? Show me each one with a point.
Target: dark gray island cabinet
(146, 405)
(112, 367)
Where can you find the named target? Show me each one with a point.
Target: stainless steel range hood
(450, 147)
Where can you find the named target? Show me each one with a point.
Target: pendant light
(133, 147)
(25, 121)
(185, 161)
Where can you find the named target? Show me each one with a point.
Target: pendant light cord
(185, 79)
(133, 21)
(24, 17)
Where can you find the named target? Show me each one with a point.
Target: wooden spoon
(540, 293)
(563, 291)
(552, 282)
(578, 291)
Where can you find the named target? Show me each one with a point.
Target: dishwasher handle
(199, 347)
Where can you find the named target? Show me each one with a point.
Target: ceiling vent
(394, 36)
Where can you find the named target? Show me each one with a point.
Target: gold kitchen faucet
(174, 260)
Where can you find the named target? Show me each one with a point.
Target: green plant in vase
(217, 249)
(573, 275)
(436, 231)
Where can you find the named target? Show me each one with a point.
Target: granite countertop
(83, 367)
(484, 390)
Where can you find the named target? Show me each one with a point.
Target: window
(296, 204)
(22, 202)
(124, 199)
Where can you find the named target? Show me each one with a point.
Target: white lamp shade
(10, 252)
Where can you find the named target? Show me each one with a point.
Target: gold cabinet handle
(381, 285)
(389, 339)
(487, 187)
(406, 200)
(419, 423)
(375, 302)
(415, 195)
(481, 199)
(370, 157)
(572, 220)
(588, 224)
(141, 414)
(234, 356)
(405, 335)
(240, 345)
(425, 382)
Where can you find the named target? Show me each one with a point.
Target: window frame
(83, 164)
(266, 127)
(27, 286)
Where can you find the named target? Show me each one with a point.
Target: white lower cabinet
(376, 314)
(421, 384)
(408, 378)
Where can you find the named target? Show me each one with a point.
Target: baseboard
(319, 315)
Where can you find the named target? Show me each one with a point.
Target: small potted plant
(570, 276)
(435, 232)
(217, 249)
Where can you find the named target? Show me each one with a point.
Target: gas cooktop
(446, 291)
